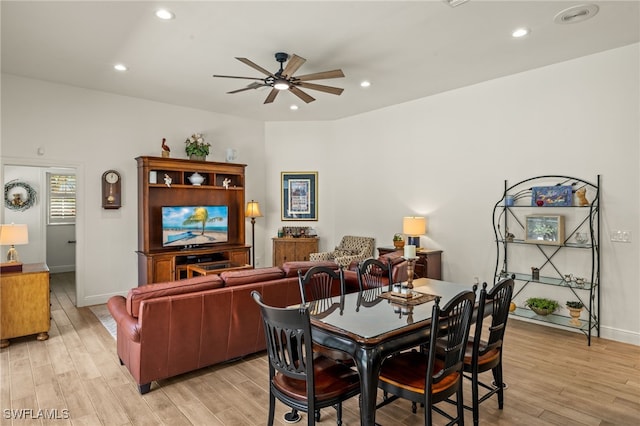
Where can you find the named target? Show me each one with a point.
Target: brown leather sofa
(171, 328)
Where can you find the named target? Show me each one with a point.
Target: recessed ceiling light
(120, 67)
(293, 107)
(165, 14)
(365, 83)
(575, 14)
(520, 32)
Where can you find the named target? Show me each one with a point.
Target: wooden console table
(428, 265)
(25, 305)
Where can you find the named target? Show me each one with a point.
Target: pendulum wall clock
(111, 190)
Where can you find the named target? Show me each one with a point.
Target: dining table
(373, 324)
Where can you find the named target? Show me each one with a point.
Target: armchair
(351, 248)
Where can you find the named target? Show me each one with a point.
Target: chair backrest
(449, 334)
(319, 283)
(362, 246)
(372, 273)
(497, 299)
(289, 344)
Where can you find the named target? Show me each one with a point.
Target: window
(62, 199)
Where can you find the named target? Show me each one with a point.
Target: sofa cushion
(247, 276)
(291, 268)
(150, 291)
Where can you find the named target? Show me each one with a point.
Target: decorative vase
(575, 316)
(197, 157)
(512, 307)
(196, 179)
(398, 244)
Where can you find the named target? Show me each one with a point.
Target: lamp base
(413, 241)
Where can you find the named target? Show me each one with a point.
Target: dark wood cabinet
(164, 182)
(428, 265)
(292, 249)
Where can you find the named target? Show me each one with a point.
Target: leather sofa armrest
(117, 306)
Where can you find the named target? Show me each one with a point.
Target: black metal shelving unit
(514, 247)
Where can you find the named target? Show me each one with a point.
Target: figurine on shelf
(581, 196)
(167, 180)
(226, 182)
(165, 148)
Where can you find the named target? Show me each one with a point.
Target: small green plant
(398, 237)
(542, 304)
(574, 304)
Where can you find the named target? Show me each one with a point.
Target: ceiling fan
(283, 79)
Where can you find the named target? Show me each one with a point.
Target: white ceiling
(407, 49)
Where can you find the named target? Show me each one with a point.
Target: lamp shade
(253, 209)
(414, 226)
(13, 235)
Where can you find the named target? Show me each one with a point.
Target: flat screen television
(192, 226)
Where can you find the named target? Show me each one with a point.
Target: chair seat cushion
(332, 379)
(490, 357)
(407, 370)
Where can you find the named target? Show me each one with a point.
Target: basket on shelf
(540, 311)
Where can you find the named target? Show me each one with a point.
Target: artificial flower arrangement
(195, 145)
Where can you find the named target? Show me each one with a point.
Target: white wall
(447, 156)
(93, 131)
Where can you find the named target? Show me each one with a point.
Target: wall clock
(111, 190)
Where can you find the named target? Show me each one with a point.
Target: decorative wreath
(15, 200)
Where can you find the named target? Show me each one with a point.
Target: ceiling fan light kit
(284, 78)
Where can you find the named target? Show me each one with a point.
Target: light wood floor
(554, 378)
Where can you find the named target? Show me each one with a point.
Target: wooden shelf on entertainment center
(157, 263)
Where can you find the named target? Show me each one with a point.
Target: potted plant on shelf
(541, 306)
(196, 147)
(575, 309)
(398, 241)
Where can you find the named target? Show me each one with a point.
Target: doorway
(51, 243)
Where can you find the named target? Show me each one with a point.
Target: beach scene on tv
(194, 225)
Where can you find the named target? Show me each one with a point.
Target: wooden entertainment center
(165, 182)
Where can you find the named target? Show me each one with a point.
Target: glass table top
(368, 315)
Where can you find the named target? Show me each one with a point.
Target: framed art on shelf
(551, 196)
(544, 229)
(299, 195)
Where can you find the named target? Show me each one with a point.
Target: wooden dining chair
(432, 376)
(372, 273)
(486, 354)
(298, 377)
(321, 282)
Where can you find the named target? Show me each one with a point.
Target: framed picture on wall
(299, 195)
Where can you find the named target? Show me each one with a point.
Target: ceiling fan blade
(294, 63)
(322, 88)
(249, 87)
(302, 95)
(255, 66)
(234, 76)
(320, 75)
(271, 96)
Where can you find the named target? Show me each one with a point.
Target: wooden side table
(428, 265)
(24, 303)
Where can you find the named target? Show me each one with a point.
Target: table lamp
(414, 227)
(13, 235)
(253, 211)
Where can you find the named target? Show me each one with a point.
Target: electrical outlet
(621, 236)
